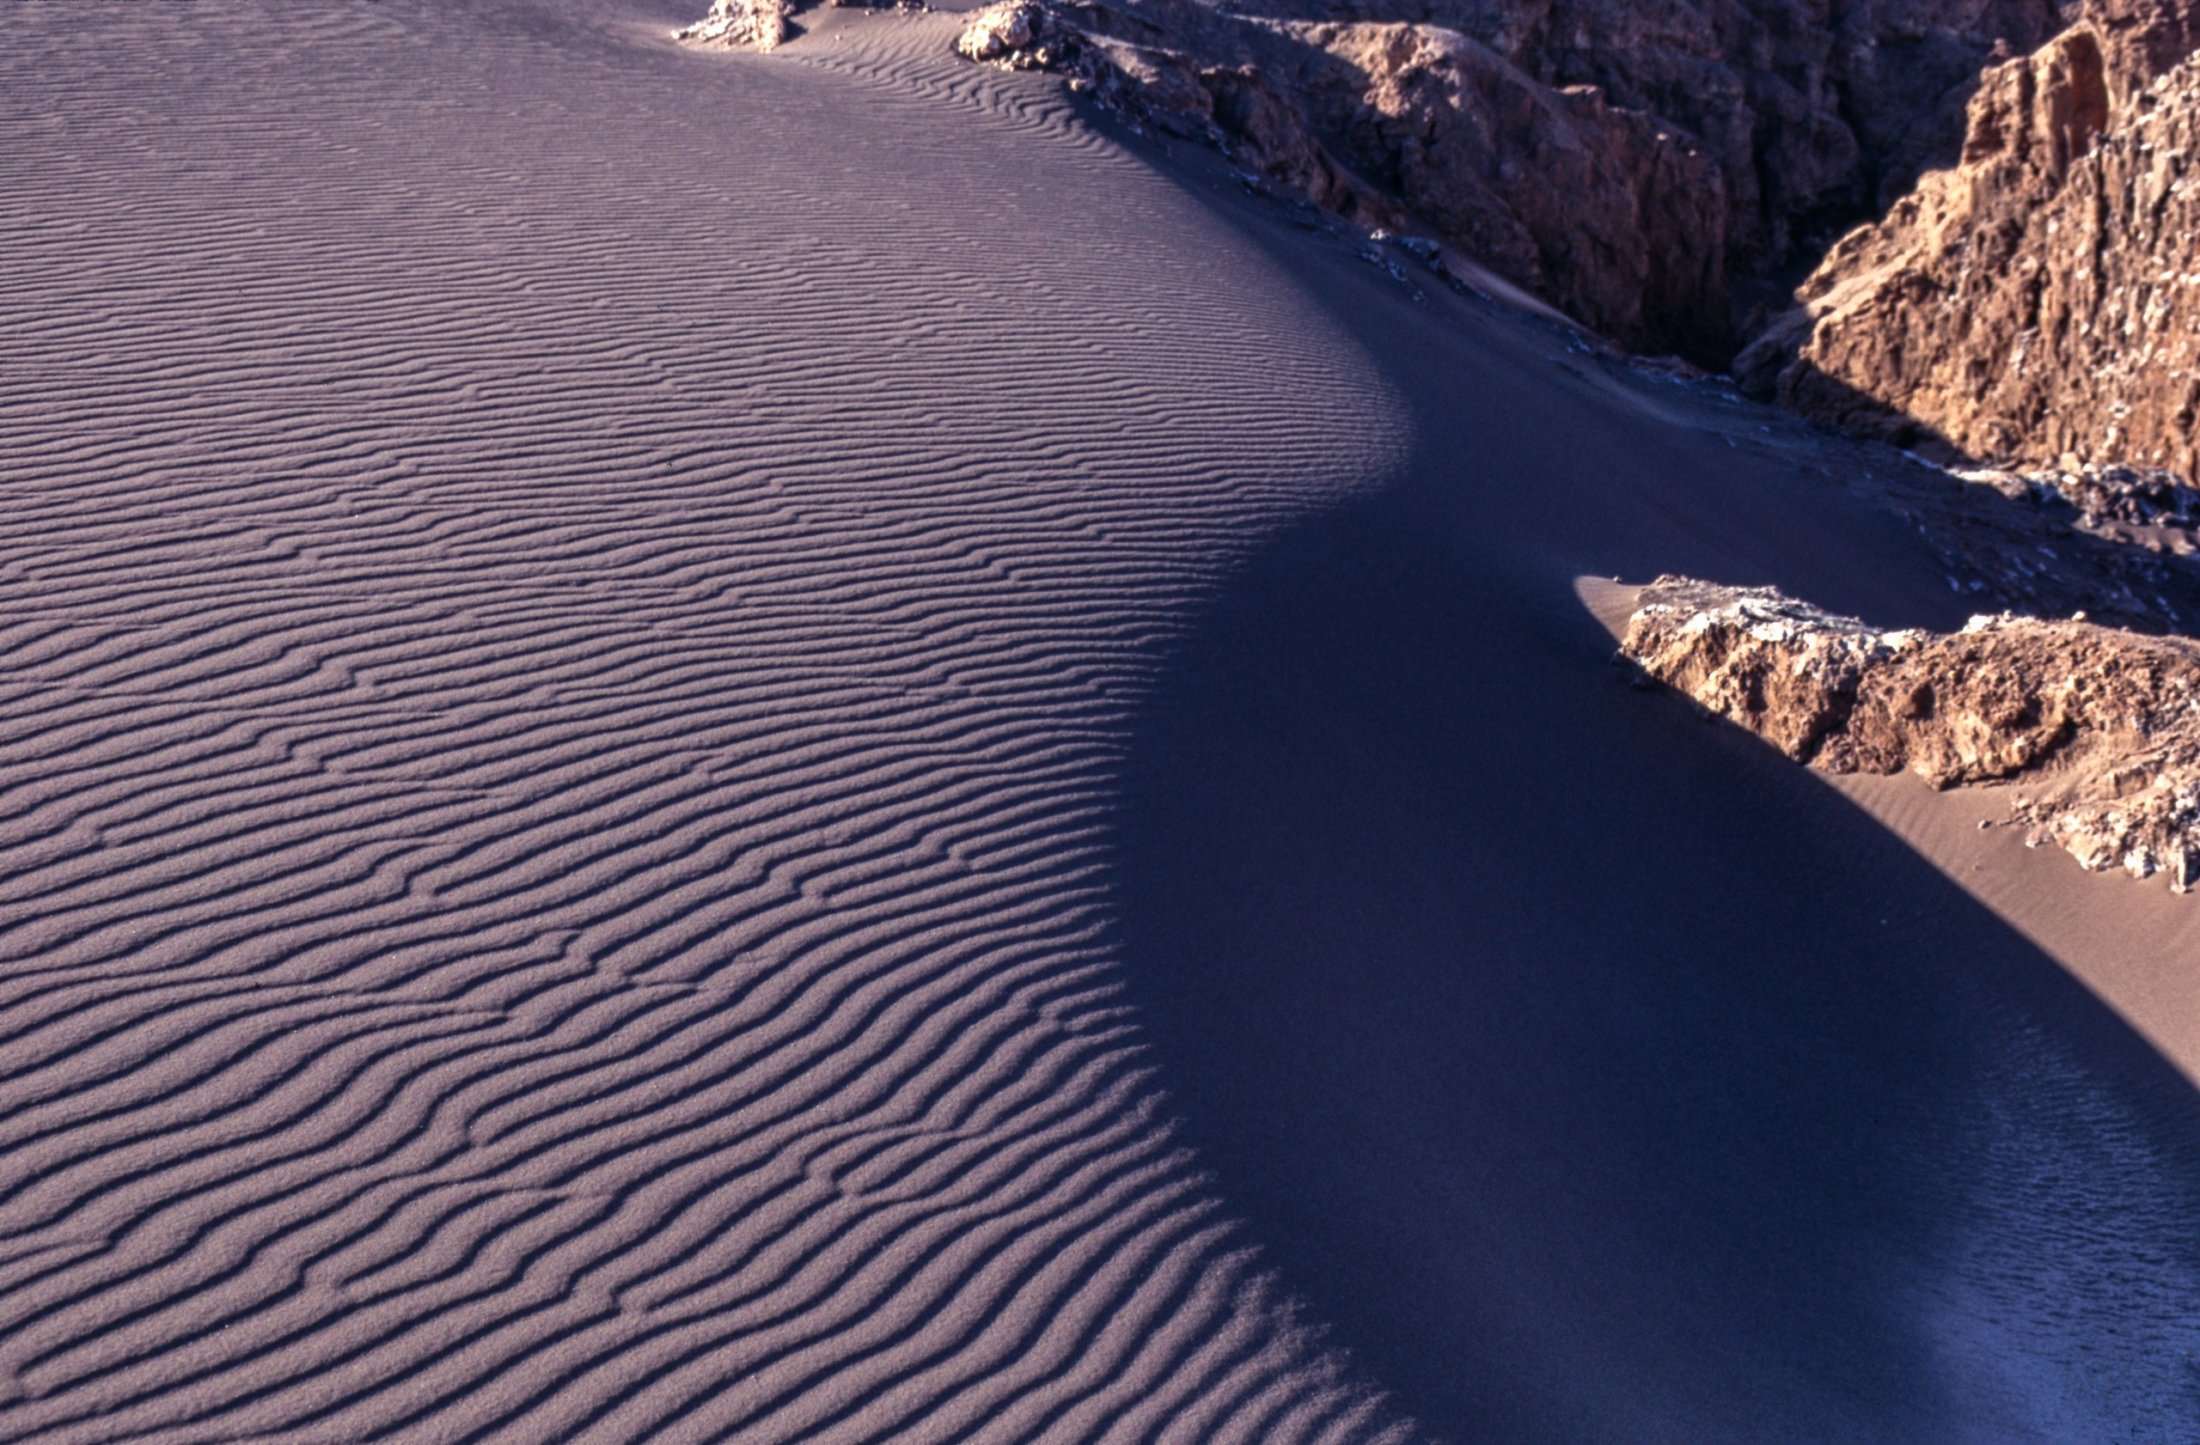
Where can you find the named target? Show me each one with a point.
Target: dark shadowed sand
(798, 748)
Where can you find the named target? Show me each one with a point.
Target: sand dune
(659, 710)
(567, 628)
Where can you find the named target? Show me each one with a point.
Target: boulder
(1002, 32)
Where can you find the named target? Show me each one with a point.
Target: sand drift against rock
(2102, 725)
(2021, 287)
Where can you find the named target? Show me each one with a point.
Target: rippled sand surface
(699, 746)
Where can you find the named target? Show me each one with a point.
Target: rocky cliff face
(2030, 295)
(2101, 727)
(1635, 163)
(2039, 302)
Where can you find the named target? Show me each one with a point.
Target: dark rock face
(2028, 293)
(1813, 109)
(2040, 302)
(1631, 162)
(1617, 216)
(2102, 726)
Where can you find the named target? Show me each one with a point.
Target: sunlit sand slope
(566, 611)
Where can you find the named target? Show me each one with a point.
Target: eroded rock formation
(757, 24)
(1632, 163)
(1656, 171)
(2102, 727)
(765, 24)
(1006, 33)
(2039, 302)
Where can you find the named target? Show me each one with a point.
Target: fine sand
(801, 748)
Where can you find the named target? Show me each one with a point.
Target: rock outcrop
(2039, 302)
(2151, 506)
(2024, 288)
(756, 24)
(1640, 166)
(1007, 33)
(1616, 215)
(1135, 58)
(2101, 726)
(765, 24)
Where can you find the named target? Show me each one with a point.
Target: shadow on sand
(1598, 1074)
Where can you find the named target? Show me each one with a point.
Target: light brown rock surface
(2041, 301)
(2101, 726)
(1004, 32)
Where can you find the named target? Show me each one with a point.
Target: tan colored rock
(1000, 32)
(2041, 300)
(1780, 667)
(2102, 725)
(1616, 216)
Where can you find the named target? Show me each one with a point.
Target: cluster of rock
(2103, 499)
(764, 24)
(2030, 292)
(1180, 66)
(2102, 726)
(1634, 164)
(754, 24)
(1006, 33)
(2039, 301)
(1028, 35)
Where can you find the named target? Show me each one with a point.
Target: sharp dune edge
(701, 746)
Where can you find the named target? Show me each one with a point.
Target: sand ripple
(563, 632)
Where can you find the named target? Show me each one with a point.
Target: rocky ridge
(1642, 167)
(2040, 301)
(2101, 726)
(2029, 295)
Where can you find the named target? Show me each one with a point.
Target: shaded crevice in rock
(2101, 726)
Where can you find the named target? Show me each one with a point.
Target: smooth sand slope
(658, 710)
